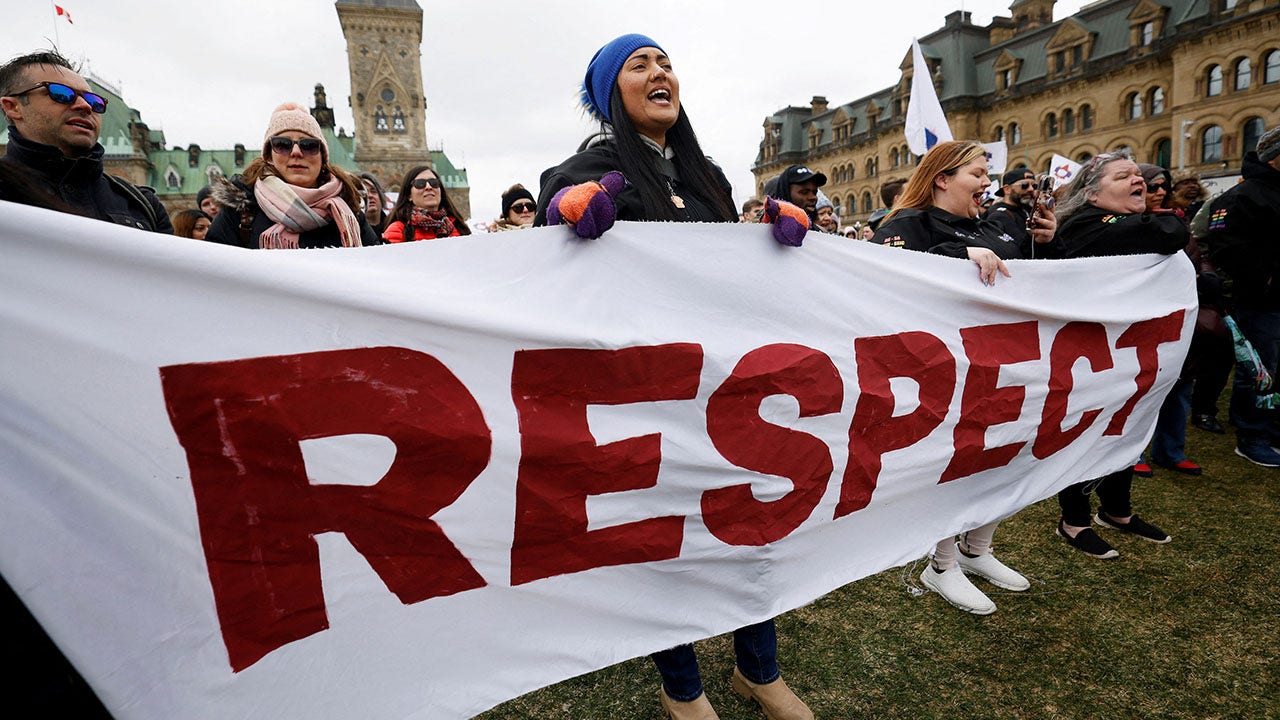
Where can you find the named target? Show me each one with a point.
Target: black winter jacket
(1244, 235)
(597, 160)
(939, 232)
(1094, 232)
(239, 206)
(1013, 220)
(83, 186)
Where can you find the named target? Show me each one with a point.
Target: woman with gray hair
(1102, 212)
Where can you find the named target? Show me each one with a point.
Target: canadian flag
(63, 12)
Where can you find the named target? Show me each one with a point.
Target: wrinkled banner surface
(414, 481)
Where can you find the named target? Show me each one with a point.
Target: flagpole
(57, 41)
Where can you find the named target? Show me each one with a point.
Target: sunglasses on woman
(1157, 187)
(66, 95)
(422, 183)
(521, 207)
(284, 146)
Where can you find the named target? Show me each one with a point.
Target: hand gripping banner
(414, 481)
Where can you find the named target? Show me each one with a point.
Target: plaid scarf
(296, 210)
(431, 223)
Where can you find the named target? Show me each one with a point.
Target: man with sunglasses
(54, 123)
(1014, 201)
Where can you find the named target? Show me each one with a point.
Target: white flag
(997, 157)
(1063, 170)
(926, 124)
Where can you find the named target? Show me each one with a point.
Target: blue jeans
(756, 650)
(1169, 444)
(1253, 425)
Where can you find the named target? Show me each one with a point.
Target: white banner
(414, 481)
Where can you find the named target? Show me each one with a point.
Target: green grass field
(1190, 629)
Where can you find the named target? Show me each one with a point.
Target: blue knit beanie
(602, 71)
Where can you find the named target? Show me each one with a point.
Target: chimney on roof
(193, 155)
(1001, 29)
(1030, 14)
(957, 19)
(817, 105)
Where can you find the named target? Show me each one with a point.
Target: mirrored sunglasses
(284, 146)
(422, 183)
(66, 95)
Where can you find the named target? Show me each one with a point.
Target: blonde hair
(945, 158)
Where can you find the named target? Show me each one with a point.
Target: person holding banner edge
(649, 166)
(938, 213)
(1103, 214)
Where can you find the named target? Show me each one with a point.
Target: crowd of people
(646, 164)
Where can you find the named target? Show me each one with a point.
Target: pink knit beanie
(291, 116)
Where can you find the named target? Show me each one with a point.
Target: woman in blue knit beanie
(631, 87)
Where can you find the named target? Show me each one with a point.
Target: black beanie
(204, 193)
(510, 197)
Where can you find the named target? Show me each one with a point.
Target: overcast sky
(501, 77)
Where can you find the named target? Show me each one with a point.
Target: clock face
(388, 95)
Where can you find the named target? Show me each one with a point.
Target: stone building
(383, 41)
(1186, 84)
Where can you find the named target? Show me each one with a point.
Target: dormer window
(1148, 33)
(172, 179)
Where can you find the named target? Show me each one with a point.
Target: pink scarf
(296, 210)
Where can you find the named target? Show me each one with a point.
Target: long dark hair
(636, 162)
(403, 209)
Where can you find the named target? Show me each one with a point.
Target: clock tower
(384, 40)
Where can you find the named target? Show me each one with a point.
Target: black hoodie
(1244, 234)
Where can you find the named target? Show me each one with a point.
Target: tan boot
(697, 709)
(775, 698)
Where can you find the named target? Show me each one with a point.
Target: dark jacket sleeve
(163, 224)
(911, 230)
(367, 234)
(225, 228)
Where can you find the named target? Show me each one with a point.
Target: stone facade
(1186, 84)
(384, 58)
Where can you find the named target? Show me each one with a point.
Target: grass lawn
(1190, 629)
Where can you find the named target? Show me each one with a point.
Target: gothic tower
(384, 39)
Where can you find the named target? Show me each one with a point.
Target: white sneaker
(995, 572)
(956, 589)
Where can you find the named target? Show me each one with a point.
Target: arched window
(1068, 121)
(999, 133)
(1015, 134)
(1051, 125)
(1135, 106)
(1157, 101)
(1250, 133)
(871, 167)
(1084, 157)
(1244, 74)
(1211, 145)
(893, 157)
(1271, 67)
(1164, 153)
(852, 203)
(866, 202)
(1086, 117)
(853, 173)
(1213, 81)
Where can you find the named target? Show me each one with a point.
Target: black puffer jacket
(83, 186)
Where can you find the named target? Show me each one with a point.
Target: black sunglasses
(284, 146)
(422, 183)
(524, 207)
(66, 95)
(1156, 187)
